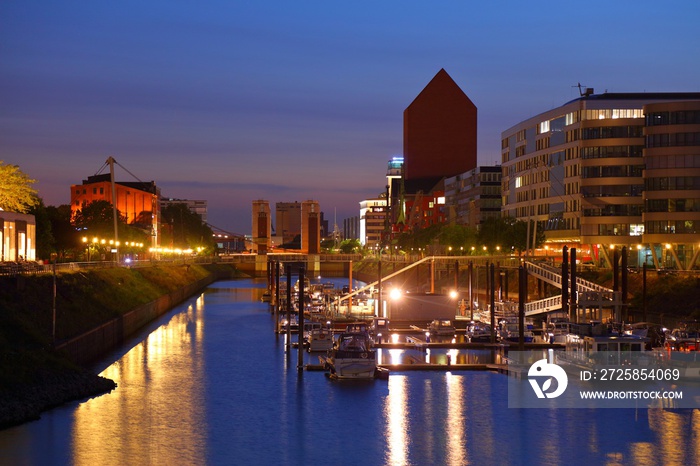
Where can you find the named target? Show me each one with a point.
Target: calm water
(210, 383)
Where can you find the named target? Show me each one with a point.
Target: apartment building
(579, 172)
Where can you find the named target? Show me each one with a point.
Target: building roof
(149, 187)
(640, 96)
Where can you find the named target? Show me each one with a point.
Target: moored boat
(353, 356)
(320, 339)
(478, 332)
(441, 327)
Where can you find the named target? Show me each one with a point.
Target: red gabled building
(439, 137)
(439, 131)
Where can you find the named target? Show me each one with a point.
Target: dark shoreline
(26, 401)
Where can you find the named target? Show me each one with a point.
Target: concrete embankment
(95, 343)
(96, 312)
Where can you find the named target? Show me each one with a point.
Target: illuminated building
(579, 172)
(17, 236)
(139, 201)
(473, 196)
(671, 214)
(372, 221)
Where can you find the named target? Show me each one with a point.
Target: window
(608, 113)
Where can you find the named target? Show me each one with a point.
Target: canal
(210, 383)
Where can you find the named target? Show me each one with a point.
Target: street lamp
(87, 248)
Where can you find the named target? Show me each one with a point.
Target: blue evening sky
(233, 101)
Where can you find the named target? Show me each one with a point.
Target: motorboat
(441, 327)
(478, 332)
(353, 356)
(684, 339)
(292, 323)
(510, 330)
(603, 348)
(320, 339)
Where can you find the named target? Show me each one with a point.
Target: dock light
(453, 294)
(395, 293)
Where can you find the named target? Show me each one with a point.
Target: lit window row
(612, 113)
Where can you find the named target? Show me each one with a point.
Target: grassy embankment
(34, 377)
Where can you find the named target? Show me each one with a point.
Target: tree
(97, 219)
(66, 238)
(182, 228)
(45, 242)
(350, 246)
(16, 193)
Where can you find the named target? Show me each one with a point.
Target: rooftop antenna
(584, 91)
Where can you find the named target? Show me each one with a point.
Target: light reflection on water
(211, 384)
(159, 396)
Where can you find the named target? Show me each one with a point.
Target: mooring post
(573, 295)
(522, 292)
(456, 275)
(565, 282)
(471, 292)
(491, 278)
(623, 281)
(380, 298)
(289, 309)
(300, 337)
(644, 291)
(277, 296)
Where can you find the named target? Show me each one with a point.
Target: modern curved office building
(594, 174)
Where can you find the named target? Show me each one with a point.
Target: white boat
(478, 332)
(320, 339)
(441, 327)
(604, 349)
(293, 325)
(510, 330)
(353, 356)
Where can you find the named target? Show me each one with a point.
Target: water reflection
(247, 403)
(139, 423)
(396, 421)
(456, 447)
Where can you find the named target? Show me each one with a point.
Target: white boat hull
(354, 368)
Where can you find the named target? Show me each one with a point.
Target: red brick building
(439, 133)
(138, 201)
